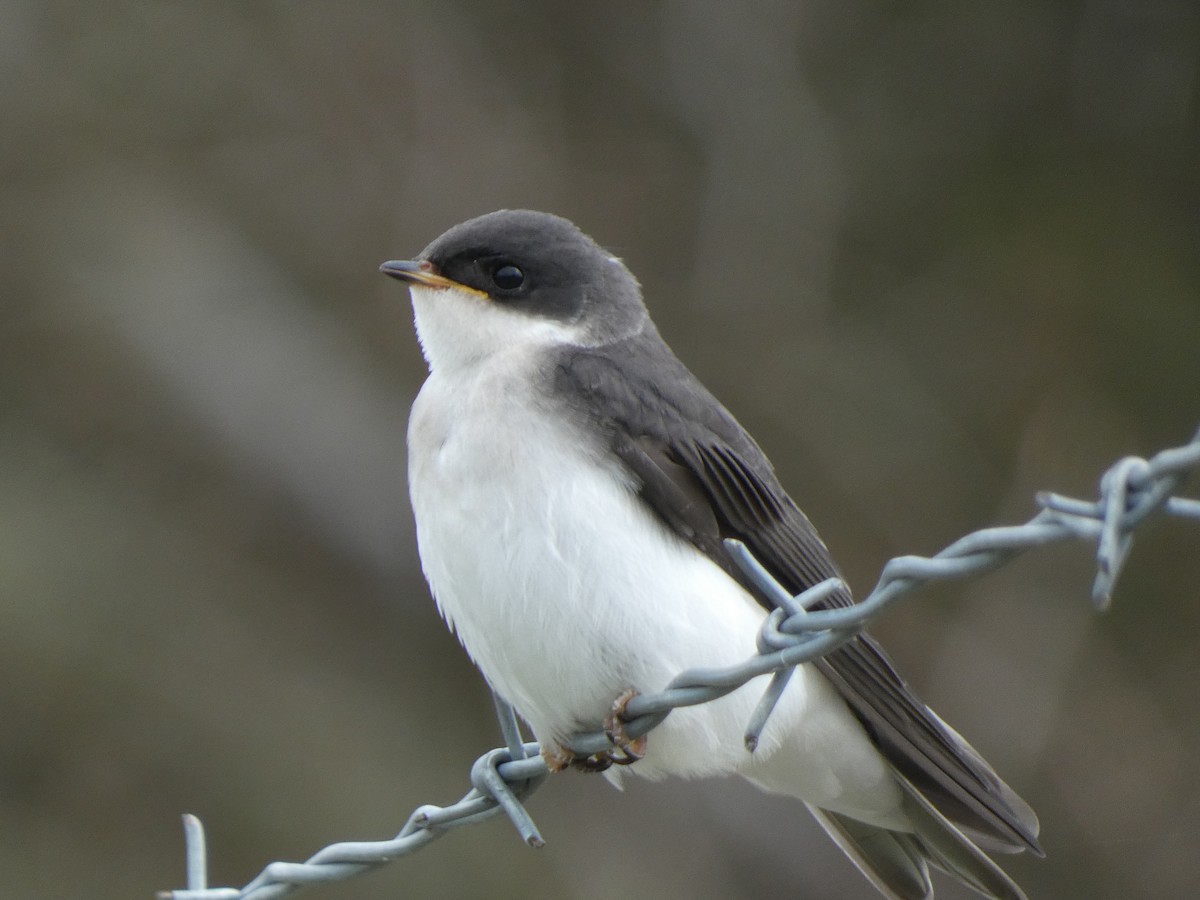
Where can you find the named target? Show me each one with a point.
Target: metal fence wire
(1131, 491)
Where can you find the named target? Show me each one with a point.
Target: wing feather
(707, 479)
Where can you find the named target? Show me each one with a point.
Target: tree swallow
(572, 484)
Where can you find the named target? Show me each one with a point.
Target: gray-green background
(936, 256)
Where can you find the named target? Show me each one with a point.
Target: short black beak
(424, 273)
(406, 269)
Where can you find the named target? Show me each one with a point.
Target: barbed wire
(1132, 490)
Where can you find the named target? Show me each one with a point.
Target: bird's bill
(422, 272)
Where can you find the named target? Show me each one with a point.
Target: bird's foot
(559, 758)
(630, 750)
(556, 756)
(624, 752)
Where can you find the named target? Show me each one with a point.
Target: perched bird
(572, 484)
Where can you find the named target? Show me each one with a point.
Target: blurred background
(935, 256)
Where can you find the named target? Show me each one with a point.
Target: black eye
(508, 277)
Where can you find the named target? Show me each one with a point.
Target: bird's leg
(631, 749)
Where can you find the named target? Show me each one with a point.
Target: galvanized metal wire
(1131, 491)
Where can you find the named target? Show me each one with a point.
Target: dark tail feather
(893, 861)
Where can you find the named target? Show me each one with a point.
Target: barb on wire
(1130, 491)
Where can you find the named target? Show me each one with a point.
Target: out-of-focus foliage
(936, 256)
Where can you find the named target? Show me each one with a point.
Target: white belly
(566, 590)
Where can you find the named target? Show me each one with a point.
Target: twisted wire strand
(1132, 490)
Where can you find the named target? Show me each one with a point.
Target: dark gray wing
(700, 471)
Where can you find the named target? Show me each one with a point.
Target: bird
(573, 485)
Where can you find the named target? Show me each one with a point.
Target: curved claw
(631, 749)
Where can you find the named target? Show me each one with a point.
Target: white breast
(566, 590)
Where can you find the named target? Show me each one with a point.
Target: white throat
(459, 330)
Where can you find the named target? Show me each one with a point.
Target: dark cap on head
(535, 263)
